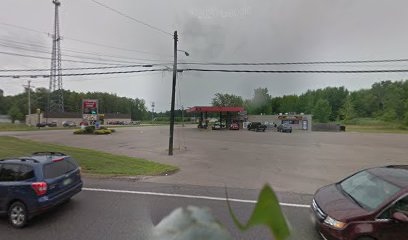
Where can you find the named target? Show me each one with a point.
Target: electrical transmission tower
(56, 97)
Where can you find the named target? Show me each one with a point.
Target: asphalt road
(99, 215)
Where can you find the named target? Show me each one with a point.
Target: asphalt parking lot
(299, 162)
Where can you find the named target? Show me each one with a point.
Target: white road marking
(188, 196)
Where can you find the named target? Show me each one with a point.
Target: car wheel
(18, 215)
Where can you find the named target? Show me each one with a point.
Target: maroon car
(369, 205)
(234, 126)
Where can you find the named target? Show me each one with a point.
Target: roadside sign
(90, 106)
(90, 117)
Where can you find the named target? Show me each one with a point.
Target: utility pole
(182, 115)
(173, 95)
(28, 87)
(153, 105)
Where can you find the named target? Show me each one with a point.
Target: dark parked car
(369, 205)
(41, 124)
(52, 124)
(32, 185)
(256, 126)
(284, 128)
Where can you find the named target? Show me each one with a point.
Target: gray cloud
(229, 30)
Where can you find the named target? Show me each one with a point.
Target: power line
(212, 63)
(79, 56)
(211, 70)
(294, 63)
(64, 60)
(294, 71)
(81, 74)
(23, 28)
(6, 43)
(132, 18)
(82, 68)
(84, 41)
(113, 47)
(43, 80)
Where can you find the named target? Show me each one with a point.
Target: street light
(185, 52)
(173, 92)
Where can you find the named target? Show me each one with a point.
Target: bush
(102, 132)
(90, 129)
(406, 119)
(80, 131)
(389, 116)
(365, 122)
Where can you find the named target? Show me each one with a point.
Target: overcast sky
(221, 31)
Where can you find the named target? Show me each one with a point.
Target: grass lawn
(374, 129)
(372, 125)
(23, 127)
(91, 161)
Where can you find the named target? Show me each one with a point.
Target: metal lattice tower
(56, 97)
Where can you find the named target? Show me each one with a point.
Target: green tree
(260, 103)
(139, 109)
(322, 111)
(347, 110)
(15, 114)
(227, 100)
(289, 104)
(406, 119)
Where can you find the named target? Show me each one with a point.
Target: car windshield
(368, 190)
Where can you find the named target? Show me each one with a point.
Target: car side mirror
(400, 217)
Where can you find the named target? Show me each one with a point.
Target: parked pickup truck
(256, 126)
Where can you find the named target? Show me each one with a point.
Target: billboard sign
(89, 106)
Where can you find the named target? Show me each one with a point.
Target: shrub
(80, 131)
(406, 119)
(102, 132)
(90, 129)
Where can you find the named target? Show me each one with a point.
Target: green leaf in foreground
(267, 212)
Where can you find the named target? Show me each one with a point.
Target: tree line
(386, 100)
(17, 106)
